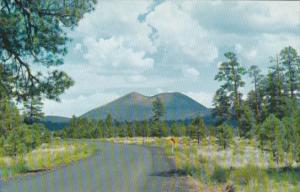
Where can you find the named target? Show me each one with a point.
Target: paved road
(116, 168)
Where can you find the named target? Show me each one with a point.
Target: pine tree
(274, 90)
(221, 110)
(164, 129)
(145, 129)
(231, 72)
(291, 63)
(292, 133)
(108, 126)
(158, 110)
(34, 31)
(247, 122)
(272, 136)
(100, 126)
(254, 73)
(224, 135)
(198, 129)
(33, 110)
(9, 117)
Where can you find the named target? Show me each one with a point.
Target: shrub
(20, 166)
(2, 163)
(5, 174)
(224, 135)
(247, 174)
(220, 175)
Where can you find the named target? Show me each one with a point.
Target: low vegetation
(45, 157)
(243, 166)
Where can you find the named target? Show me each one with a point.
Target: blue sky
(169, 46)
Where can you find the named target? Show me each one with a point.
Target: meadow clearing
(241, 167)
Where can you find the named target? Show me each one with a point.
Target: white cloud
(159, 90)
(276, 13)
(78, 47)
(117, 19)
(251, 55)
(191, 73)
(181, 34)
(112, 39)
(177, 47)
(204, 98)
(77, 105)
(238, 48)
(111, 52)
(246, 17)
(137, 78)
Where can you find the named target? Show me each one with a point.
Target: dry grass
(207, 167)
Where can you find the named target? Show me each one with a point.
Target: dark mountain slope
(135, 106)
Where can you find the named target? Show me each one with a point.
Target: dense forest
(269, 113)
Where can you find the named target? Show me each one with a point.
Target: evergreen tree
(221, 110)
(175, 129)
(158, 111)
(274, 90)
(16, 137)
(198, 129)
(247, 122)
(108, 126)
(2, 140)
(33, 110)
(164, 129)
(224, 135)
(34, 31)
(231, 72)
(292, 133)
(291, 63)
(9, 117)
(255, 73)
(145, 129)
(272, 136)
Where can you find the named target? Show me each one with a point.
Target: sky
(169, 46)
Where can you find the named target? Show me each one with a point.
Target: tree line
(18, 136)
(270, 112)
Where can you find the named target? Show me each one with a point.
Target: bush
(246, 174)
(224, 135)
(220, 175)
(2, 163)
(21, 166)
(5, 174)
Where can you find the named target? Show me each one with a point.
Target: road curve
(116, 168)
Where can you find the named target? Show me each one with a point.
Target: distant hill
(55, 122)
(135, 106)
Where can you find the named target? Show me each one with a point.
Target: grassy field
(243, 166)
(47, 156)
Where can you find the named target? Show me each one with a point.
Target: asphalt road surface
(116, 168)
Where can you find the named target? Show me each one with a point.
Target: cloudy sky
(163, 46)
